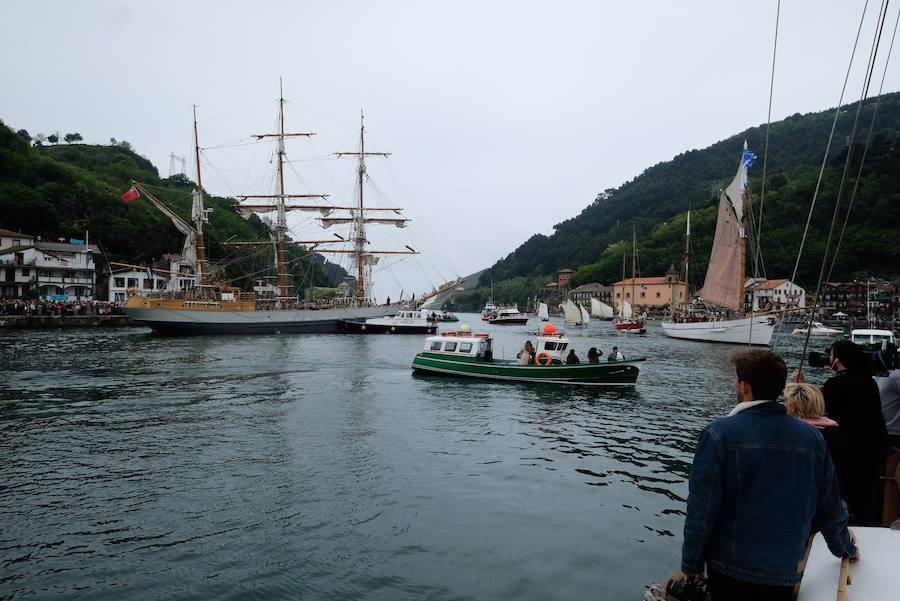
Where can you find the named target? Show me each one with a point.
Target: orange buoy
(549, 329)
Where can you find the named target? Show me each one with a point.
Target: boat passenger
(615, 355)
(806, 402)
(526, 355)
(572, 358)
(759, 461)
(594, 355)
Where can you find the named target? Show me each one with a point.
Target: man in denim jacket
(760, 482)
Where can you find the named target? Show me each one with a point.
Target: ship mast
(687, 258)
(198, 212)
(633, 267)
(358, 217)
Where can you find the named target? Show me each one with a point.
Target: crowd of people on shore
(51, 308)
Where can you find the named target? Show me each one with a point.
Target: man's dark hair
(763, 370)
(849, 353)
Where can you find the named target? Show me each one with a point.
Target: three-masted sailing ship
(216, 309)
(717, 314)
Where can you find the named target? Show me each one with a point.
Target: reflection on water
(142, 467)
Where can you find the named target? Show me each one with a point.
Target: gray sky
(504, 118)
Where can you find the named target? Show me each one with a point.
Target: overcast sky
(504, 118)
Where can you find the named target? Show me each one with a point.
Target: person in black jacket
(852, 400)
(572, 358)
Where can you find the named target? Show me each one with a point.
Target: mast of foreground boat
(633, 268)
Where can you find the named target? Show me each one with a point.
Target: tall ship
(211, 308)
(717, 313)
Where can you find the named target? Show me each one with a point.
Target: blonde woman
(805, 402)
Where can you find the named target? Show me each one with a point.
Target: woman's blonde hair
(804, 400)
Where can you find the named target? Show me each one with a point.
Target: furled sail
(600, 309)
(573, 313)
(585, 316)
(247, 210)
(328, 222)
(543, 312)
(723, 285)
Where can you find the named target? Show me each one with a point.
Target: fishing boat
(601, 310)
(470, 355)
(506, 316)
(717, 314)
(404, 322)
(872, 337)
(218, 309)
(816, 328)
(627, 321)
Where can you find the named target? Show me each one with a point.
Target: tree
(112, 142)
(53, 139)
(40, 138)
(76, 137)
(124, 144)
(24, 134)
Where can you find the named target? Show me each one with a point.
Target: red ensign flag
(131, 194)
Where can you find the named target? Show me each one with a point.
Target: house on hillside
(169, 274)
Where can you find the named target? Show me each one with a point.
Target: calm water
(317, 467)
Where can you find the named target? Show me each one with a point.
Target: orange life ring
(543, 355)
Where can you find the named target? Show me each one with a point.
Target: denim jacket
(760, 481)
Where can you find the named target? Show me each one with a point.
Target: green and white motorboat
(470, 355)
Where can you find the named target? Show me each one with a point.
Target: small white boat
(543, 312)
(574, 313)
(816, 328)
(509, 316)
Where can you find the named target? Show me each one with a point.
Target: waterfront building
(651, 292)
(170, 274)
(563, 276)
(761, 294)
(859, 298)
(585, 292)
(51, 270)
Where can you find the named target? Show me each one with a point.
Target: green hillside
(655, 203)
(63, 190)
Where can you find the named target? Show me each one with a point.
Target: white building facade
(170, 275)
(52, 270)
(770, 295)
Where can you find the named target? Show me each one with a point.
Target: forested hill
(655, 203)
(63, 190)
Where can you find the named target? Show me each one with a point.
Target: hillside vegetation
(655, 204)
(62, 191)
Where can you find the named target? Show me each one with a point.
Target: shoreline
(46, 322)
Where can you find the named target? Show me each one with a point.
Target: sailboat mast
(743, 239)
(633, 265)
(360, 240)
(281, 220)
(687, 257)
(198, 212)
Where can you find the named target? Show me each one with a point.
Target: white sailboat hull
(730, 331)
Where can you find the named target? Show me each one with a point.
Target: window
(120, 282)
(148, 284)
(17, 242)
(657, 295)
(550, 346)
(563, 345)
(643, 294)
(618, 294)
(627, 295)
(450, 347)
(26, 272)
(435, 346)
(132, 282)
(465, 347)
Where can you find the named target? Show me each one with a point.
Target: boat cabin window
(450, 347)
(465, 347)
(435, 346)
(550, 346)
(563, 345)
